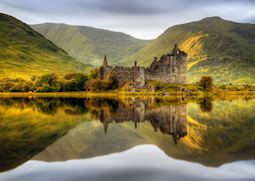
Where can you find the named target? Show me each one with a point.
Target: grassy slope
(89, 45)
(222, 49)
(24, 52)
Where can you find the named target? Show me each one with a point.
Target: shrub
(110, 83)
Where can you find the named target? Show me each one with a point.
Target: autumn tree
(206, 83)
(96, 84)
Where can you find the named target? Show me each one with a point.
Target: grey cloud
(121, 7)
(128, 7)
(149, 7)
(38, 6)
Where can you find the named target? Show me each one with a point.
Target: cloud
(149, 7)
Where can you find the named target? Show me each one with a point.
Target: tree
(74, 82)
(47, 83)
(206, 82)
(94, 73)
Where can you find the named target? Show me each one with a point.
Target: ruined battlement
(170, 68)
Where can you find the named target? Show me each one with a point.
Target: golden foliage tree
(206, 82)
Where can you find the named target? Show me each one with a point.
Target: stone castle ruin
(170, 68)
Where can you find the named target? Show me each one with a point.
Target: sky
(145, 19)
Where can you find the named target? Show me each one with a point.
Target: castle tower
(178, 66)
(105, 63)
(176, 50)
(103, 69)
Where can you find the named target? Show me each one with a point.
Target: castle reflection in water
(168, 119)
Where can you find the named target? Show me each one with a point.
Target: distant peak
(213, 18)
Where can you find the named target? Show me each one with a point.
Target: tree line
(53, 83)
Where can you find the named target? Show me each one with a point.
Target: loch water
(127, 138)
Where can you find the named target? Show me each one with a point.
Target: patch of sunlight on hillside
(193, 62)
(194, 46)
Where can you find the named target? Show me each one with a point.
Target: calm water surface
(46, 139)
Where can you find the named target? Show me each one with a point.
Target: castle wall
(125, 74)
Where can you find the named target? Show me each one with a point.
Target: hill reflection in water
(50, 129)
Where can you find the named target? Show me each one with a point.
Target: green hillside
(24, 52)
(222, 49)
(90, 45)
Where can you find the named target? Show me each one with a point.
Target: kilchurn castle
(170, 68)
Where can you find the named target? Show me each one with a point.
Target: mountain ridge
(88, 44)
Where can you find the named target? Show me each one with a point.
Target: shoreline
(127, 94)
(81, 94)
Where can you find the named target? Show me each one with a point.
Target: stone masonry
(170, 68)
